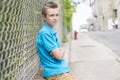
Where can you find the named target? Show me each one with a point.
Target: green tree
(68, 11)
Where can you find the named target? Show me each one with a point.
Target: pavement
(91, 60)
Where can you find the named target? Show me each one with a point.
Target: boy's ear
(44, 17)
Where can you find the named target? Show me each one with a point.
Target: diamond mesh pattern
(19, 23)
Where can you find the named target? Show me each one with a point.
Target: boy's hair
(47, 6)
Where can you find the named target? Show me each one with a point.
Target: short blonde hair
(47, 6)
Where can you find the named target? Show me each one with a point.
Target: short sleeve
(48, 42)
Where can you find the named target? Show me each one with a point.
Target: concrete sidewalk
(91, 60)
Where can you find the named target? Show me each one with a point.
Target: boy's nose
(55, 17)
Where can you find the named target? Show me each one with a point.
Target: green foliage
(68, 10)
(64, 40)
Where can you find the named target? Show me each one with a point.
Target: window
(115, 13)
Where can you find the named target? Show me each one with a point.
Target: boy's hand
(61, 49)
(41, 70)
(58, 53)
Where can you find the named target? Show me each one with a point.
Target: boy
(54, 67)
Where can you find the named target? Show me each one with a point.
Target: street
(92, 60)
(109, 38)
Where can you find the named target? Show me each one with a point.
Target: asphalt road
(109, 38)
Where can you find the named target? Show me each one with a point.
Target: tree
(68, 10)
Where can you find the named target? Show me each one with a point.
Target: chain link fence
(20, 21)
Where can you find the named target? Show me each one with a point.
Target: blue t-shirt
(47, 40)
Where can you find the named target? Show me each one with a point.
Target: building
(105, 13)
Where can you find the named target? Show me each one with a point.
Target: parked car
(84, 28)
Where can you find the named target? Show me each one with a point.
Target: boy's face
(52, 16)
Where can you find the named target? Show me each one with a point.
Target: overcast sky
(83, 12)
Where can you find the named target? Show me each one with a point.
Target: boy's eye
(57, 14)
(54, 15)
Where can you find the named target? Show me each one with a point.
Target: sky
(83, 12)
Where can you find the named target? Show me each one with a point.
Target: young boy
(54, 67)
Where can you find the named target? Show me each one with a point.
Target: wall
(103, 9)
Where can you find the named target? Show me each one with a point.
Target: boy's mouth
(54, 21)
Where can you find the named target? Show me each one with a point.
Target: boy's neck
(49, 25)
